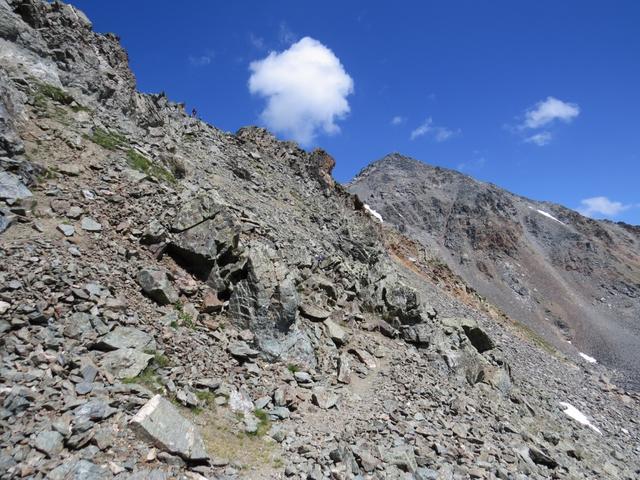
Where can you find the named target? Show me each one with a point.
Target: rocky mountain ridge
(568, 277)
(180, 302)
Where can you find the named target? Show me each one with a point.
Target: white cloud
(601, 206)
(398, 120)
(440, 134)
(540, 139)
(549, 110)
(306, 88)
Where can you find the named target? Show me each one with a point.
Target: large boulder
(156, 285)
(480, 340)
(266, 302)
(162, 424)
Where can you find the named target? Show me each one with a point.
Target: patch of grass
(54, 93)
(223, 440)
(265, 423)
(159, 359)
(184, 317)
(174, 324)
(108, 140)
(141, 163)
(293, 368)
(206, 397)
(147, 378)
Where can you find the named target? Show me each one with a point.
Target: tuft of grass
(108, 140)
(46, 91)
(265, 423)
(206, 397)
(147, 378)
(293, 368)
(159, 359)
(184, 317)
(143, 164)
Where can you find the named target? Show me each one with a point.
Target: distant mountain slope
(568, 277)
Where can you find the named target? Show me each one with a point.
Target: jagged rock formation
(568, 277)
(180, 302)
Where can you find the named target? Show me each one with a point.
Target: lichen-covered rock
(157, 286)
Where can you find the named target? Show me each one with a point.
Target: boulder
(156, 285)
(90, 225)
(127, 337)
(125, 362)
(162, 424)
(12, 188)
(313, 312)
(335, 332)
(480, 340)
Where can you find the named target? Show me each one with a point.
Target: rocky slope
(180, 302)
(568, 277)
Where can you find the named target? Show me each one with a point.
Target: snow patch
(373, 213)
(547, 214)
(587, 357)
(578, 416)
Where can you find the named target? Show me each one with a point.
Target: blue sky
(468, 83)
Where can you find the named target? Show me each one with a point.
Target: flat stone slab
(162, 424)
(125, 362)
(127, 337)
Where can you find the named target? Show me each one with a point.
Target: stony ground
(178, 302)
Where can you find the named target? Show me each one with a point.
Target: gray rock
(242, 351)
(49, 442)
(67, 230)
(314, 312)
(156, 285)
(79, 470)
(324, 398)
(12, 188)
(161, 423)
(90, 225)
(127, 337)
(335, 332)
(125, 362)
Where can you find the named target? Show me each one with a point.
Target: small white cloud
(201, 60)
(306, 88)
(398, 120)
(601, 206)
(549, 110)
(439, 134)
(540, 139)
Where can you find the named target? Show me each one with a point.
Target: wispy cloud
(201, 60)
(540, 139)
(257, 42)
(398, 120)
(306, 88)
(286, 36)
(601, 206)
(474, 164)
(439, 134)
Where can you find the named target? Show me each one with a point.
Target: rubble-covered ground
(179, 302)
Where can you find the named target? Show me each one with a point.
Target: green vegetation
(141, 163)
(206, 397)
(108, 140)
(147, 378)
(293, 368)
(46, 92)
(184, 317)
(265, 423)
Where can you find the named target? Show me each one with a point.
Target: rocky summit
(181, 302)
(575, 281)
